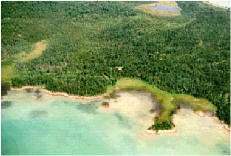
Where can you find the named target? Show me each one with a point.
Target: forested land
(91, 45)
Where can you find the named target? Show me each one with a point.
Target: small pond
(165, 8)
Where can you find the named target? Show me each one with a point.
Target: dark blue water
(165, 8)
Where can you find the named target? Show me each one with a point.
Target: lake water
(37, 123)
(165, 8)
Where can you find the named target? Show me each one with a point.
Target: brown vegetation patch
(38, 49)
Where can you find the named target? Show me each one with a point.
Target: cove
(45, 124)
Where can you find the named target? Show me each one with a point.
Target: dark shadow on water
(38, 94)
(119, 117)
(29, 90)
(59, 103)
(122, 120)
(38, 114)
(37, 91)
(225, 149)
(89, 108)
(156, 107)
(6, 104)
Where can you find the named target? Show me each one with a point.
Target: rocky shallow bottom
(38, 123)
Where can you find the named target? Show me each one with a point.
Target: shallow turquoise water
(43, 124)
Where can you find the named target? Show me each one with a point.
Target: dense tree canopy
(88, 41)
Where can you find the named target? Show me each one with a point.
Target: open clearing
(7, 72)
(38, 50)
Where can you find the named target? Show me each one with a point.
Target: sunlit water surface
(37, 123)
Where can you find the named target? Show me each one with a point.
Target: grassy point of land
(168, 102)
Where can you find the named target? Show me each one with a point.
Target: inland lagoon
(35, 122)
(165, 8)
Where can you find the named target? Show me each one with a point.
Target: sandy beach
(122, 119)
(61, 94)
(137, 105)
(142, 107)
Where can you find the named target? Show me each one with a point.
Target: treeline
(93, 44)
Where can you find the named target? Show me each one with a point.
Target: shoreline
(101, 97)
(174, 131)
(170, 132)
(61, 94)
(204, 115)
